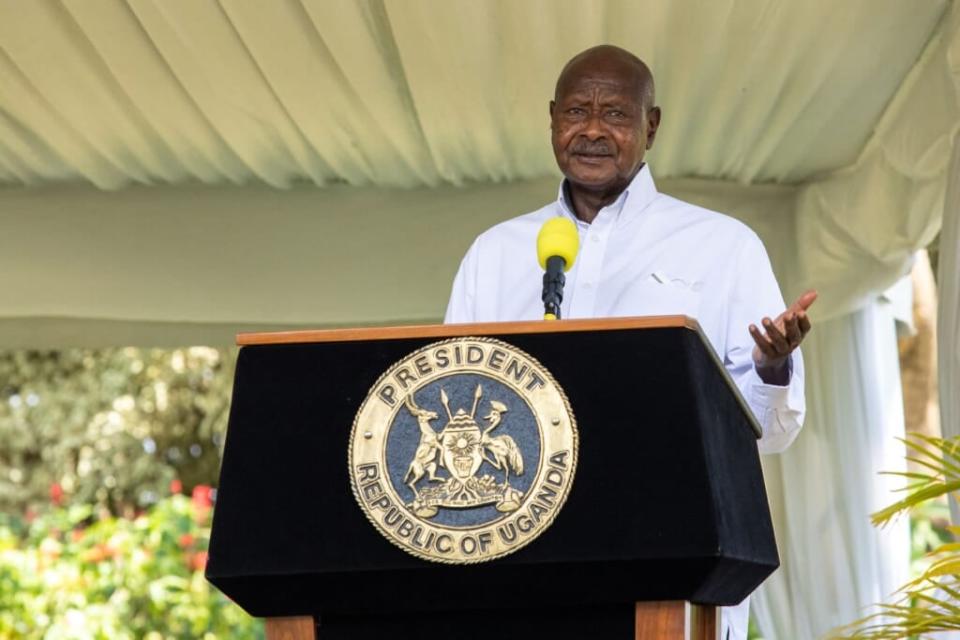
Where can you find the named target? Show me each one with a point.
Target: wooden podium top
(454, 330)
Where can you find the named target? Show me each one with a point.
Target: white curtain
(834, 564)
(948, 313)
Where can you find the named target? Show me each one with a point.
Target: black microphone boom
(553, 281)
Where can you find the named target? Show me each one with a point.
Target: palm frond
(942, 458)
(929, 609)
(930, 603)
(931, 490)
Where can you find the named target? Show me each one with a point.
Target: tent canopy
(174, 171)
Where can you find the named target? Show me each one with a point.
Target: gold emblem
(464, 451)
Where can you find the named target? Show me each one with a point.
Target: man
(642, 252)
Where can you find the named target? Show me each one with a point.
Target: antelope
(424, 460)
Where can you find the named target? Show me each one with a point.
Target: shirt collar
(639, 193)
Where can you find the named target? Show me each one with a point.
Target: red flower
(201, 497)
(56, 494)
(176, 486)
(198, 561)
(185, 540)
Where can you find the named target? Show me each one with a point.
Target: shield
(461, 447)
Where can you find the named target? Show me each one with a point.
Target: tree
(110, 427)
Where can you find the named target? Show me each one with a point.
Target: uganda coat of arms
(464, 451)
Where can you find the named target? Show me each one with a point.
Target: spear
(446, 403)
(476, 400)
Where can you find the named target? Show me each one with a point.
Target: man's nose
(594, 128)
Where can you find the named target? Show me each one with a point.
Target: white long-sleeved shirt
(646, 254)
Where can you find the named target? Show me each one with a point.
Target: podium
(666, 516)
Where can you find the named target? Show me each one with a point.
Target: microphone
(557, 246)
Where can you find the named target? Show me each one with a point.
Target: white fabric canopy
(851, 106)
(858, 227)
(414, 93)
(159, 265)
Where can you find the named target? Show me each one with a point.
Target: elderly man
(643, 252)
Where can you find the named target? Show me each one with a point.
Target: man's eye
(616, 114)
(575, 111)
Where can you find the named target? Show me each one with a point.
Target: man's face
(601, 129)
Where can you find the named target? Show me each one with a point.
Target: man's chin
(591, 180)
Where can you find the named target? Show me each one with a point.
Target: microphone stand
(553, 281)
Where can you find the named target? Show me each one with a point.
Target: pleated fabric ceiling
(410, 94)
(202, 163)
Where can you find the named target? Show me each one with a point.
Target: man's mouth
(591, 157)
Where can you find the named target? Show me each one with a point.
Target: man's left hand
(782, 335)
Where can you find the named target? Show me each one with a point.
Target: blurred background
(108, 471)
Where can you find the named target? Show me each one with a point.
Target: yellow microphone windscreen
(558, 237)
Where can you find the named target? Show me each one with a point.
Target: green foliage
(109, 427)
(70, 576)
(929, 529)
(931, 602)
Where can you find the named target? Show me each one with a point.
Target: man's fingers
(776, 337)
(804, 301)
(803, 322)
(791, 330)
(764, 344)
(784, 334)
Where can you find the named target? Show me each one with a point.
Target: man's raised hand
(781, 336)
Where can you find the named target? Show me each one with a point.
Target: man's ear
(552, 106)
(653, 123)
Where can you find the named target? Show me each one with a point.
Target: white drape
(948, 313)
(822, 490)
(857, 228)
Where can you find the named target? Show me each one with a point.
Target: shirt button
(595, 237)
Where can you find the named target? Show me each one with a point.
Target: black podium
(668, 503)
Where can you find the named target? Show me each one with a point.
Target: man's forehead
(607, 68)
(607, 85)
(591, 86)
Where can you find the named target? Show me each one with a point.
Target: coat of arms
(463, 451)
(461, 447)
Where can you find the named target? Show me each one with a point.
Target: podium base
(676, 619)
(673, 620)
(300, 628)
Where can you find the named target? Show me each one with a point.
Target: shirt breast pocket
(663, 296)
